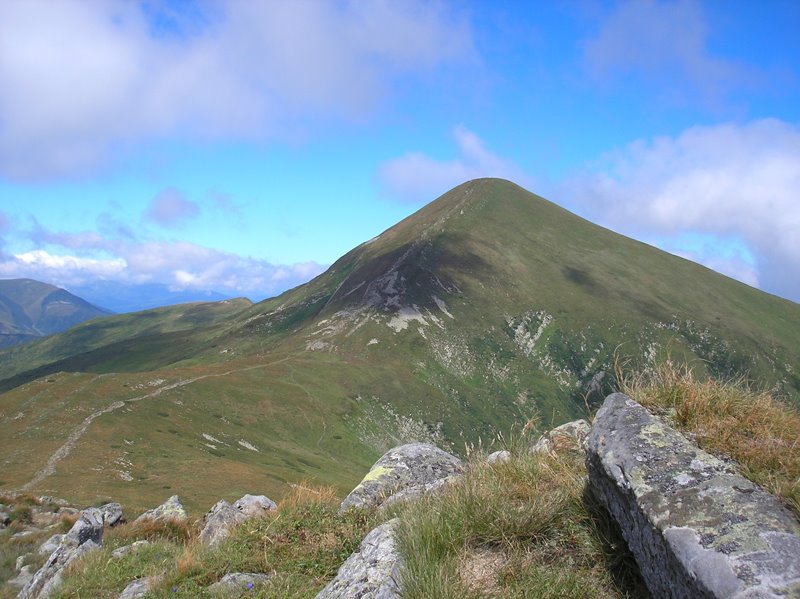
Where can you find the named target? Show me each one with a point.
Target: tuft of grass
(175, 531)
(754, 428)
(522, 528)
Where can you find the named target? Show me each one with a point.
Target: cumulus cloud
(417, 177)
(80, 82)
(170, 208)
(730, 181)
(664, 44)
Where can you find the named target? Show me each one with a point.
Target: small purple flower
(249, 585)
(174, 589)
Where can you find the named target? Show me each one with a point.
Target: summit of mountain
(484, 308)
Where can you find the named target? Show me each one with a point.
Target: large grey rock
(86, 535)
(171, 509)
(113, 514)
(237, 584)
(408, 469)
(570, 436)
(695, 527)
(371, 572)
(254, 506)
(137, 589)
(219, 522)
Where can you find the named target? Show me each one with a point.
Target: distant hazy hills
(121, 297)
(30, 309)
(486, 307)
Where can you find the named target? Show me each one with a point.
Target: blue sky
(242, 146)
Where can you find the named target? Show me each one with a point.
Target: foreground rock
(373, 571)
(171, 509)
(86, 535)
(113, 514)
(696, 528)
(224, 517)
(237, 584)
(137, 589)
(570, 436)
(404, 472)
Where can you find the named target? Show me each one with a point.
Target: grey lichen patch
(696, 527)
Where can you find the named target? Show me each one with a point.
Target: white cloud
(179, 265)
(665, 44)
(417, 177)
(80, 81)
(732, 181)
(170, 208)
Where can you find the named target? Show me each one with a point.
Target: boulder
(411, 469)
(498, 457)
(254, 506)
(372, 571)
(137, 589)
(238, 583)
(112, 513)
(570, 436)
(85, 536)
(223, 517)
(695, 527)
(171, 509)
(219, 522)
(121, 552)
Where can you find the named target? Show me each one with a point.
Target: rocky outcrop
(85, 535)
(570, 436)
(171, 509)
(696, 528)
(224, 517)
(405, 471)
(112, 513)
(373, 571)
(237, 584)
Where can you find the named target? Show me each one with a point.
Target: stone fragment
(171, 509)
(237, 584)
(498, 457)
(113, 514)
(126, 549)
(695, 527)
(85, 536)
(570, 436)
(373, 571)
(412, 469)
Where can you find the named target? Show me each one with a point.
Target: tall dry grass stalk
(756, 429)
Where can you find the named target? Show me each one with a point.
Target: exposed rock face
(85, 535)
(139, 588)
(171, 509)
(408, 469)
(50, 545)
(238, 583)
(568, 436)
(223, 517)
(373, 571)
(24, 577)
(696, 528)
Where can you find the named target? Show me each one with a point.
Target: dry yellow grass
(757, 430)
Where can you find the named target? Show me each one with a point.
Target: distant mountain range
(488, 306)
(123, 297)
(30, 309)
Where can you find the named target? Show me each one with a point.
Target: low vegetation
(754, 428)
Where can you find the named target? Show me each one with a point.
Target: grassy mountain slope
(486, 306)
(31, 309)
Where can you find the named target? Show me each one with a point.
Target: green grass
(523, 528)
(760, 432)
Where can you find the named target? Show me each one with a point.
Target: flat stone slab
(373, 571)
(696, 528)
(409, 470)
